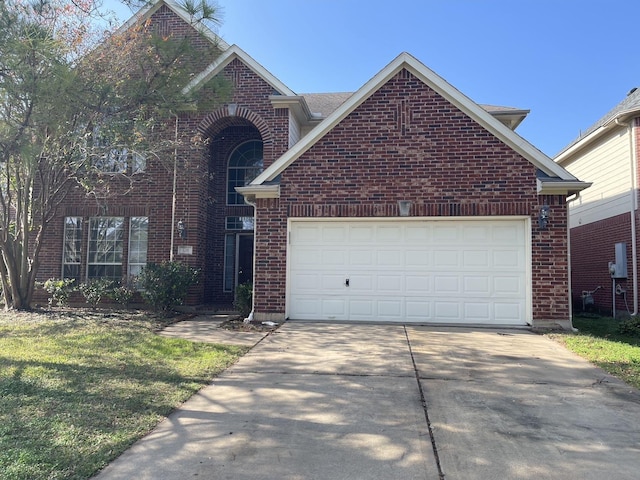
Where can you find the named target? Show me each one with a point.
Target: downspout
(249, 319)
(173, 193)
(570, 200)
(632, 210)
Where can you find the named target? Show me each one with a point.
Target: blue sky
(568, 61)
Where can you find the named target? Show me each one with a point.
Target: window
(239, 223)
(105, 249)
(120, 161)
(229, 261)
(245, 164)
(138, 239)
(72, 254)
(111, 158)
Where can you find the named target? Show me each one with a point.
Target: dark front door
(244, 260)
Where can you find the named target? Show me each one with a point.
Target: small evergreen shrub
(244, 298)
(123, 294)
(165, 285)
(94, 290)
(630, 327)
(60, 290)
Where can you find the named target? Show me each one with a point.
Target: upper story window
(109, 157)
(245, 164)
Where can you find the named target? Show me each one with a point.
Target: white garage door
(436, 271)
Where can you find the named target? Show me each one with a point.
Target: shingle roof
(325, 103)
(630, 103)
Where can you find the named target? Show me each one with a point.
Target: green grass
(599, 342)
(77, 389)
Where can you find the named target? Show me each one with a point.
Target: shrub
(94, 290)
(244, 298)
(60, 290)
(165, 285)
(630, 327)
(123, 293)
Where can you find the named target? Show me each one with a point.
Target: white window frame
(117, 246)
(134, 268)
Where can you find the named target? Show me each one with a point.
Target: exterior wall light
(543, 218)
(182, 229)
(404, 206)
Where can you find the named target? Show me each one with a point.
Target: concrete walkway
(316, 401)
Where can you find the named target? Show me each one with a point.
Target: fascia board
(488, 121)
(430, 78)
(614, 122)
(259, 191)
(330, 122)
(556, 187)
(297, 104)
(223, 60)
(146, 12)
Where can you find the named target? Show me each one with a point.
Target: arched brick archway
(228, 116)
(229, 253)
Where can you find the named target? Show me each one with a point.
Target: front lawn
(77, 389)
(599, 342)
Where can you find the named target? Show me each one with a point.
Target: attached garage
(471, 271)
(411, 203)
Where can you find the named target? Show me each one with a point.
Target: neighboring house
(607, 213)
(404, 201)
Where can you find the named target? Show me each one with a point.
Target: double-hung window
(138, 241)
(105, 248)
(105, 254)
(72, 254)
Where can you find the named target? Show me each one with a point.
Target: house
(603, 219)
(403, 201)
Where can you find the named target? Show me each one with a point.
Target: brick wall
(407, 143)
(592, 248)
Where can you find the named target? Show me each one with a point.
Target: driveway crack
(423, 400)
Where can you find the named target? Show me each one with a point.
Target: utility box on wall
(618, 269)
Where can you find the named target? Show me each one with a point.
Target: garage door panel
(477, 312)
(389, 284)
(446, 258)
(475, 259)
(447, 311)
(418, 310)
(476, 285)
(417, 285)
(446, 285)
(507, 312)
(361, 257)
(447, 271)
(417, 258)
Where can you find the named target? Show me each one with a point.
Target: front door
(244, 259)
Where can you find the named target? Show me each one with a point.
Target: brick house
(404, 201)
(603, 219)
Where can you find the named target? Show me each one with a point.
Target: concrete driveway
(319, 401)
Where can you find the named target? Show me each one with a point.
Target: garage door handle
(346, 282)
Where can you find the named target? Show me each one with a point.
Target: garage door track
(360, 401)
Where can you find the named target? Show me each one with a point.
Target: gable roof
(629, 106)
(145, 13)
(548, 167)
(225, 59)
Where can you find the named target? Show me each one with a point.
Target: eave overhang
(619, 121)
(555, 186)
(475, 111)
(297, 105)
(253, 192)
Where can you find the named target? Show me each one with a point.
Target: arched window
(245, 164)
